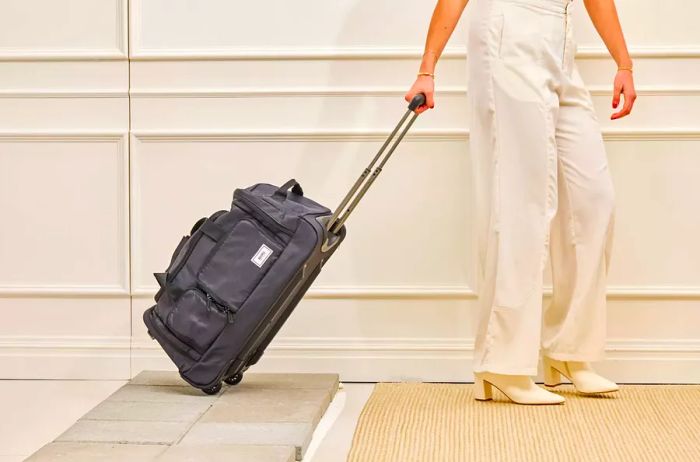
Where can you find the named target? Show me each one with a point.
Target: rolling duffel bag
(235, 279)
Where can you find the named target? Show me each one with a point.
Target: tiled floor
(34, 412)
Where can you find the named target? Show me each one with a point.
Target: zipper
(220, 306)
(230, 313)
(264, 216)
(566, 33)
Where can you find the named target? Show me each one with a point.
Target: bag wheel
(234, 379)
(212, 390)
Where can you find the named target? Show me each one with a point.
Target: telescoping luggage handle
(336, 221)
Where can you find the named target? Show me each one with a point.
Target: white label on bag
(261, 255)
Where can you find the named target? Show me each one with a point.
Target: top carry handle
(336, 222)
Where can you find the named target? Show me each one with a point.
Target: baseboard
(65, 358)
(355, 359)
(389, 359)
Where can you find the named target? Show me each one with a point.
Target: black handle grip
(296, 188)
(417, 101)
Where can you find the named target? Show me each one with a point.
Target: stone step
(158, 417)
(112, 452)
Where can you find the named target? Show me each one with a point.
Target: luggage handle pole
(336, 222)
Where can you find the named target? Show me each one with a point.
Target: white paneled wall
(107, 159)
(64, 181)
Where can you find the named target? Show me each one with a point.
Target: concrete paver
(279, 433)
(91, 452)
(266, 418)
(124, 431)
(160, 394)
(170, 378)
(228, 453)
(270, 405)
(279, 380)
(148, 411)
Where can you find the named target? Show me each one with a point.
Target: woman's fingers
(616, 94)
(422, 86)
(623, 86)
(630, 96)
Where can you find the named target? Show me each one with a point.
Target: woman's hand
(624, 85)
(423, 84)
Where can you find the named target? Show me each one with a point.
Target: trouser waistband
(557, 6)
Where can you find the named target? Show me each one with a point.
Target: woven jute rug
(439, 422)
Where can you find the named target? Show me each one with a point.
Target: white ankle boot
(518, 388)
(579, 373)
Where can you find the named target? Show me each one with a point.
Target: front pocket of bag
(196, 320)
(239, 262)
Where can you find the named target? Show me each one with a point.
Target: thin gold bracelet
(625, 68)
(426, 73)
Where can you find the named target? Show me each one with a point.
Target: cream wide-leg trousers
(541, 185)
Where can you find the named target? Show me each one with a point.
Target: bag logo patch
(261, 256)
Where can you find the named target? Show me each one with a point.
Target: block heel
(483, 390)
(580, 373)
(552, 377)
(519, 389)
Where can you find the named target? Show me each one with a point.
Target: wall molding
(411, 345)
(139, 53)
(300, 91)
(307, 135)
(275, 92)
(62, 94)
(446, 134)
(358, 91)
(118, 52)
(359, 292)
(464, 292)
(100, 290)
(87, 358)
(303, 53)
(355, 358)
(64, 291)
(440, 359)
(65, 54)
(64, 343)
(67, 136)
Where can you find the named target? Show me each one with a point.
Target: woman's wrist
(428, 62)
(624, 64)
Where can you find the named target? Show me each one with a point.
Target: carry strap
(282, 190)
(336, 221)
(213, 230)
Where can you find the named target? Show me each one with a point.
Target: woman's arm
(604, 17)
(445, 17)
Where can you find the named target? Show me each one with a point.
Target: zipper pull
(230, 314)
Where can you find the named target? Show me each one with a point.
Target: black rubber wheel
(234, 379)
(212, 390)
